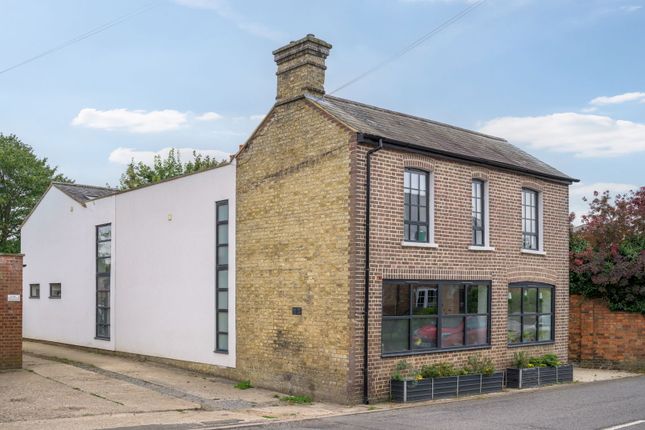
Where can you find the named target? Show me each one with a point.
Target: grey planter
(444, 387)
(538, 376)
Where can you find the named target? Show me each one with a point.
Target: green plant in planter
(402, 371)
(551, 360)
(537, 361)
(477, 364)
(520, 360)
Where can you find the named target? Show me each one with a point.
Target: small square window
(34, 291)
(55, 291)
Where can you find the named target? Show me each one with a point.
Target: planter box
(538, 376)
(444, 387)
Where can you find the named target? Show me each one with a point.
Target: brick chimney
(301, 67)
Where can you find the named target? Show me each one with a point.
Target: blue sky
(562, 79)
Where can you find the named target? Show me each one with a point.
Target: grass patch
(269, 417)
(297, 400)
(243, 385)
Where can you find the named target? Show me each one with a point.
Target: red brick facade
(10, 312)
(599, 336)
(452, 260)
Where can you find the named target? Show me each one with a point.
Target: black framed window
(221, 276)
(416, 216)
(478, 212)
(530, 313)
(103, 276)
(434, 315)
(530, 234)
(34, 291)
(55, 291)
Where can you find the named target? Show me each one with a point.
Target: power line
(414, 44)
(84, 36)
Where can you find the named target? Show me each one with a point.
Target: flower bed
(537, 371)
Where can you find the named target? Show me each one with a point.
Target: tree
(24, 178)
(607, 253)
(138, 174)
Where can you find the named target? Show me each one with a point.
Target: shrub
(243, 385)
(478, 364)
(520, 360)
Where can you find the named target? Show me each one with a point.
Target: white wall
(165, 268)
(58, 241)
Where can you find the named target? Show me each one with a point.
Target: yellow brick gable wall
(293, 250)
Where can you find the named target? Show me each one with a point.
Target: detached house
(341, 239)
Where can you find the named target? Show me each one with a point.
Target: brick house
(357, 237)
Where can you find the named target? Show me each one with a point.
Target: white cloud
(136, 121)
(621, 98)
(630, 8)
(580, 134)
(209, 116)
(580, 190)
(224, 10)
(589, 109)
(257, 117)
(125, 155)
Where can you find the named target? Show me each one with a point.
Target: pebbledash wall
(599, 336)
(162, 276)
(452, 259)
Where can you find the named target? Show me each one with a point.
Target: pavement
(67, 388)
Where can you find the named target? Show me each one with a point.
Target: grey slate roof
(84, 193)
(425, 134)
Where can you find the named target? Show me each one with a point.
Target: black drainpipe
(367, 270)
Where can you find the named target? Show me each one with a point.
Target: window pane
(414, 212)
(222, 279)
(514, 300)
(424, 333)
(514, 329)
(222, 255)
(103, 265)
(479, 237)
(34, 290)
(222, 321)
(544, 300)
(407, 209)
(394, 336)
(55, 290)
(102, 331)
(222, 234)
(222, 342)
(222, 300)
(103, 283)
(477, 299)
(452, 331)
(422, 234)
(530, 300)
(545, 328)
(103, 249)
(104, 232)
(222, 212)
(529, 328)
(396, 300)
(103, 299)
(452, 299)
(413, 232)
(406, 179)
(425, 300)
(102, 316)
(476, 330)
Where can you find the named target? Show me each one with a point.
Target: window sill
(55, 298)
(520, 345)
(34, 297)
(434, 351)
(107, 339)
(532, 252)
(419, 244)
(221, 351)
(481, 248)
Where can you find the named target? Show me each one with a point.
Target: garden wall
(600, 337)
(10, 311)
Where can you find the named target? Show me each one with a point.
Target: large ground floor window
(435, 315)
(530, 313)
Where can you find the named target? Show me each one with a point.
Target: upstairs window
(55, 291)
(416, 217)
(34, 291)
(478, 213)
(530, 233)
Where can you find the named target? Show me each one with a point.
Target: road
(617, 404)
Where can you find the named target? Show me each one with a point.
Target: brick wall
(598, 336)
(452, 259)
(10, 312)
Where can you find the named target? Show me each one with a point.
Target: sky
(562, 79)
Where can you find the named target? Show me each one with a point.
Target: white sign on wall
(13, 298)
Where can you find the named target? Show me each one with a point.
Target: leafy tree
(24, 178)
(607, 253)
(138, 174)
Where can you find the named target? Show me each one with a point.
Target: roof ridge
(419, 118)
(83, 185)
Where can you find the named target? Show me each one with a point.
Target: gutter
(366, 289)
(394, 144)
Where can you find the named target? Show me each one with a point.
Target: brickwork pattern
(452, 259)
(10, 312)
(599, 336)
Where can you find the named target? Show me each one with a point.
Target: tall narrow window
(478, 212)
(221, 276)
(530, 236)
(103, 270)
(416, 216)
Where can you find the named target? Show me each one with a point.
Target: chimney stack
(301, 67)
